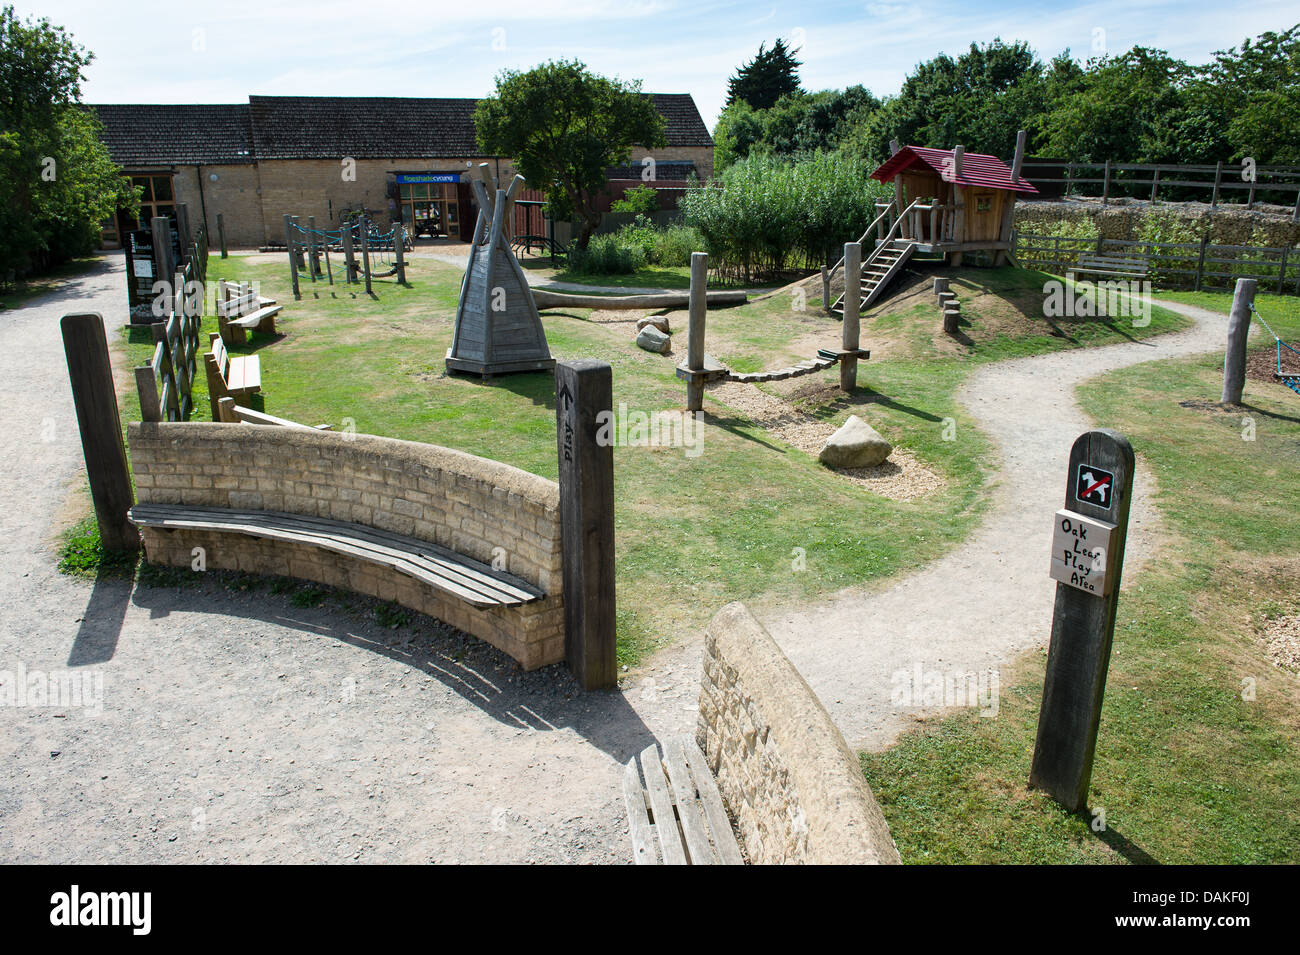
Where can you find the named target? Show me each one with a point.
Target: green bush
(643, 200)
(607, 256)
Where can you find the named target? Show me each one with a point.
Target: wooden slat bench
(229, 376)
(677, 819)
(1123, 266)
(469, 580)
(241, 310)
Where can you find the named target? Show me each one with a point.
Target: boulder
(658, 321)
(652, 339)
(855, 445)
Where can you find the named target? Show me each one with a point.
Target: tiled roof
(977, 169)
(160, 135)
(326, 127)
(674, 170)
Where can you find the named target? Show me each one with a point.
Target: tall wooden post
(349, 256)
(399, 242)
(313, 263)
(293, 263)
(584, 394)
(1218, 178)
(365, 251)
(183, 228)
(91, 375)
(1088, 539)
(163, 261)
(826, 288)
(698, 305)
(1105, 185)
(852, 303)
(221, 234)
(1018, 161)
(1234, 358)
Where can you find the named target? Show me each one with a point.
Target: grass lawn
(1187, 771)
(652, 276)
(693, 532)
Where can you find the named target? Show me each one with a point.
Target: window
(429, 208)
(156, 197)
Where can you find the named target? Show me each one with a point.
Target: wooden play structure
(701, 368)
(358, 247)
(947, 203)
(498, 330)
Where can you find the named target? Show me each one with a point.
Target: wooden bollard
(583, 391)
(221, 233)
(1234, 358)
(91, 375)
(698, 305)
(1088, 540)
(852, 302)
(399, 240)
(349, 255)
(293, 265)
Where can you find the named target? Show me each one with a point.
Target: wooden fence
(166, 383)
(1185, 265)
(1180, 181)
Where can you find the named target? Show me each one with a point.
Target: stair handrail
(914, 205)
(863, 238)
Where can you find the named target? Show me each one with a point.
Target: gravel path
(991, 599)
(236, 726)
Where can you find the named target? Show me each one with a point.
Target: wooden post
(1105, 185)
(698, 305)
(288, 245)
(399, 240)
(583, 396)
(1281, 272)
(313, 264)
(852, 302)
(1069, 179)
(1218, 178)
(1017, 163)
(183, 228)
(163, 266)
(147, 387)
(1155, 183)
(1250, 198)
(221, 234)
(91, 375)
(1234, 358)
(958, 154)
(1200, 262)
(893, 146)
(1089, 536)
(958, 223)
(826, 288)
(349, 257)
(365, 251)
(329, 269)
(297, 247)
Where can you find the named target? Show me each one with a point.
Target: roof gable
(977, 169)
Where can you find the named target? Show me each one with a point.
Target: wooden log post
(1234, 358)
(1218, 179)
(1105, 185)
(221, 234)
(329, 269)
(1088, 539)
(698, 307)
(826, 288)
(349, 255)
(183, 229)
(1200, 261)
(313, 263)
(91, 374)
(163, 261)
(852, 303)
(365, 252)
(297, 247)
(583, 407)
(399, 241)
(1018, 161)
(288, 245)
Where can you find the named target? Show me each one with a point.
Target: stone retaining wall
(471, 505)
(789, 780)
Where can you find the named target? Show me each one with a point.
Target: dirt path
(980, 606)
(236, 726)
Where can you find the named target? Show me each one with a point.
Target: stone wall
(1122, 218)
(789, 780)
(471, 505)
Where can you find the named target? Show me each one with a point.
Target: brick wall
(469, 504)
(784, 771)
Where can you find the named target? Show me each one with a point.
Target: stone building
(324, 156)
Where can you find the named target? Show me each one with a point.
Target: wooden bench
(235, 377)
(232, 413)
(467, 579)
(677, 819)
(1123, 266)
(241, 310)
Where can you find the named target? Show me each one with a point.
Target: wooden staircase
(879, 269)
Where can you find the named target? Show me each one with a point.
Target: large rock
(651, 339)
(855, 445)
(658, 321)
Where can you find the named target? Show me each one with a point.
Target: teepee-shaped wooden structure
(498, 330)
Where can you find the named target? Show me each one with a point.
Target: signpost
(139, 275)
(583, 391)
(1088, 539)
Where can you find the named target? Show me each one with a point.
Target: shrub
(643, 200)
(607, 256)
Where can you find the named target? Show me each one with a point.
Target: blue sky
(154, 52)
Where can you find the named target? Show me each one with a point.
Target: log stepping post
(852, 303)
(1234, 358)
(695, 334)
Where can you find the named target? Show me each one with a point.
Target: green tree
(57, 182)
(1250, 97)
(564, 127)
(766, 78)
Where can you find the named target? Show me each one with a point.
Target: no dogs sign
(1094, 486)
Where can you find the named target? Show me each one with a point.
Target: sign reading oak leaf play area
(1079, 548)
